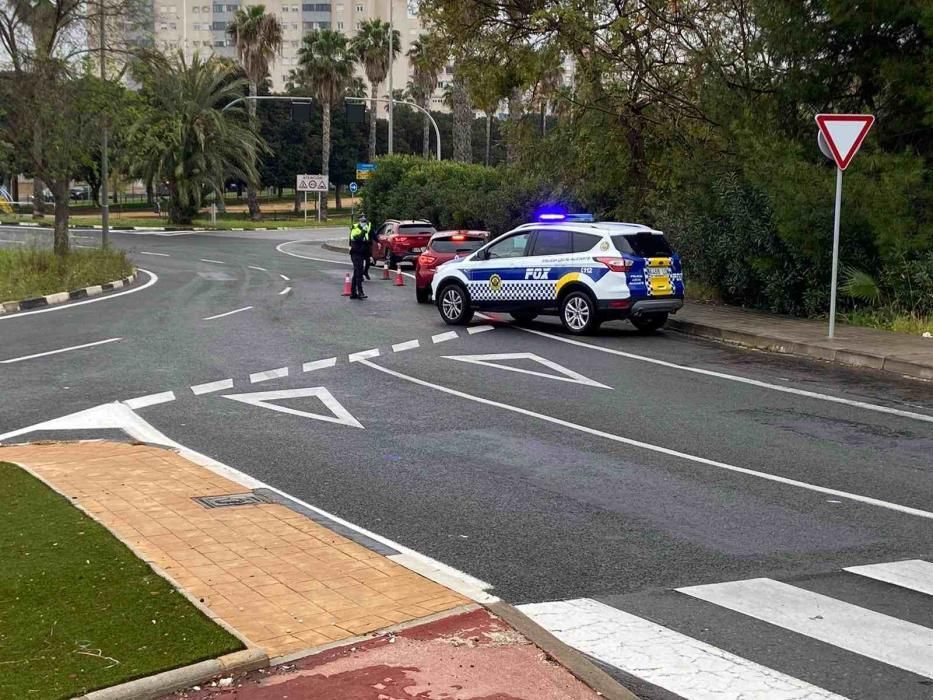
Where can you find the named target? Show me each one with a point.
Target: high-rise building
(201, 25)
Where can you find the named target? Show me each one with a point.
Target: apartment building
(200, 25)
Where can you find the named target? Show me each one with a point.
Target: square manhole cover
(231, 499)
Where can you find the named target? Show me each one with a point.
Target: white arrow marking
(340, 415)
(566, 375)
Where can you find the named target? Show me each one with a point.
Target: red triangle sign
(844, 133)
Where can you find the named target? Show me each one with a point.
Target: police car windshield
(448, 245)
(643, 244)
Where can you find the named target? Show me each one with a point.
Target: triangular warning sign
(262, 398)
(844, 134)
(563, 374)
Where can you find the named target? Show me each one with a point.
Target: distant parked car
(80, 193)
(402, 241)
(443, 247)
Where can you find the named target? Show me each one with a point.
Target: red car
(443, 247)
(401, 241)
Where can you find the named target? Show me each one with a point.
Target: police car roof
(609, 227)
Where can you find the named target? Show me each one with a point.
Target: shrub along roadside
(36, 272)
(79, 611)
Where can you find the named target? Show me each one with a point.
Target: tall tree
(463, 116)
(325, 66)
(427, 58)
(194, 145)
(258, 38)
(371, 47)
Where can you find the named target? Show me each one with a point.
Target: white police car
(583, 271)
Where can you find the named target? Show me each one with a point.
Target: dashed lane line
(285, 291)
(60, 350)
(216, 262)
(284, 277)
(228, 313)
(211, 387)
(151, 399)
(473, 330)
(256, 267)
(268, 374)
(161, 255)
(407, 345)
(657, 448)
(444, 337)
(363, 355)
(319, 364)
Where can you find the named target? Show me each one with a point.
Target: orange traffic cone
(385, 270)
(399, 280)
(346, 286)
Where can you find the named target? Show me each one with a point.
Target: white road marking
(407, 345)
(211, 387)
(284, 277)
(151, 399)
(915, 574)
(262, 398)
(473, 330)
(657, 448)
(687, 667)
(161, 255)
(735, 378)
(78, 245)
(285, 291)
(563, 373)
(319, 364)
(14, 242)
(363, 355)
(444, 337)
(153, 278)
(896, 642)
(257, 377)
(216, 262)
(119, 416)
(256, 267)
(228, 313)
(55, 352)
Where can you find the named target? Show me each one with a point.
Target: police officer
(371, 239)
(359, 252)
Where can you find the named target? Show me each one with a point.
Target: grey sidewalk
(906, 355)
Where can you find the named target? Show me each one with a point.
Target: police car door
(495, 278)
(550, 259)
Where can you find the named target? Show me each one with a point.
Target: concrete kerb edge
(9, 307)
(159, 684)
(335, 248)
(849, 358)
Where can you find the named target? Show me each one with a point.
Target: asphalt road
(628, 492)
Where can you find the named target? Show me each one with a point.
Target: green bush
(33, 272)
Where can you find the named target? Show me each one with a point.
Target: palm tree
(462, 116)
(325, 66)
(427, 59)
(371, 46)
(258, 38)
(191, 144)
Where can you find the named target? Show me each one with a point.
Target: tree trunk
(14, 187)
(296, 203)
(38, 198)
(337, 201)
(60, 192)
(488, 135)
(150, 194)
(543, 118)
(252, 200)
(512, 146)
(325, 151)
(463, 120)
(374, 93)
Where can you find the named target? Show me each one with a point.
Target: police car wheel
(649, 323)
(423, 295)
(453, 305)
(578, 313)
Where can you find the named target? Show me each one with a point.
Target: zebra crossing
(834, 636)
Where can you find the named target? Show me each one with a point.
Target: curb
(335, 248)
(850, 358)
(576, 663)
(167, 682)
(9, 307)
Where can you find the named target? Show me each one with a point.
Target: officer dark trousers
(356, 283)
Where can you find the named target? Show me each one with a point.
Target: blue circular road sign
(354, 187)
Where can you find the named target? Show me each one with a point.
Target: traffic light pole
(437, 131)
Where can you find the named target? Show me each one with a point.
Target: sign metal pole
(306, 205)
(319, 206)
(832, 291)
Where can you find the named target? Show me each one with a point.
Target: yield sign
(262, 398)
(558, 372)
(844, 134)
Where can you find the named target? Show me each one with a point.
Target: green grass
(74, 601)
(889, 321)
(32, 272)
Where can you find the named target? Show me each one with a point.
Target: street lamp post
(104, 165)
(391, 96)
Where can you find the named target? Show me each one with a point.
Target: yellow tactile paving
(283, 581)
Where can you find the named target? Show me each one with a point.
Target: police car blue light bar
(556, 214)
